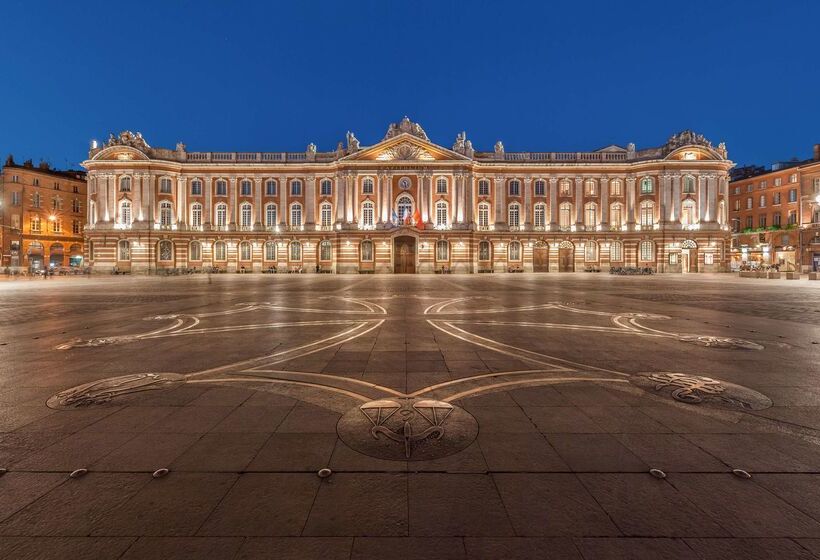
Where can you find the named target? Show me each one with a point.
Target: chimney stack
(817, 152)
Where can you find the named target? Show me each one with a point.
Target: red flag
(417, 219)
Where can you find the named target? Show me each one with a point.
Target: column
(579, 203)
(469, 199)
(339, 198)
(258, 224)
(150, 200)
(310, 202)
(499, 202)
(527, 203)
(676, 202)
(701, 198)
(665, 198)
(711, 198)
(384, 199)
(461, 181)
(233, 201)
(379, 211)
(181, 200)
(350, 190)
(553, 204)
(283, 201)
(605, 203)
(136, 201)
(208, 210)
(112, 197)
(630, 203)
(102, 198)
(426, 179)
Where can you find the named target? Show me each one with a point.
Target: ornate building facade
(408, 205)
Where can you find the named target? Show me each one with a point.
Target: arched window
(325, 251)
(245, 251)
(165, 214)
(514, 251)
(647, 251)
(565, 215)
(125, 184)
(245, 188)
(367, 250)
(367, 214)
(270, 187)
(296, 215)
(367, 185)
(442, 250)
(326, 214)
(688, 184)
(565, 187)
(270, 251)
(590, 215)
(616, 214)
(590, 187)
(195, 251)
(246, 215)
(404, 207)
(484, 215)
(483, 187)
(515, 187)
(165, 185)
(196, 187)
(220, 251)
(591, 251)
(540, 215)
(296, 188)
(165, 250)
(540, 187)
(326, 187)
(125, 212)
(647, 213)
(646, 185)
(441, 214)
(221, 215)
(687, 212)
(514, 215)
(615, 188)
(123, 250)
(441, 185)
(295, 251)
(196, 215)
(484, 250)
(270, 216)
(221, 187)
(616, 251)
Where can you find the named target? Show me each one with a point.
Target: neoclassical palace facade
(408, 205)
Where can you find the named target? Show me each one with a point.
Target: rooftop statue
(405, 126)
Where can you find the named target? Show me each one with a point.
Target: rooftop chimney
(817, 152)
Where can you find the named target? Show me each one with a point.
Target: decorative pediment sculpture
(499, 147)
(406, 126)
(686, 138)
(405, 151)
(128, 138)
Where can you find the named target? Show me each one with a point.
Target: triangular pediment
(405, 147)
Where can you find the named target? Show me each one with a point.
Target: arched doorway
(404, 255)
(566, 257)
(35, 255)
(56, 255)
(540, 257)
(689, 256)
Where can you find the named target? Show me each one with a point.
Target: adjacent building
(775, 215)
(407, 205)
(42, 215)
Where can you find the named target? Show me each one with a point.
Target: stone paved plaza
(495, 416)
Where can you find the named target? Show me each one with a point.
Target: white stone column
(208, 211)
(257, 204)
(676, 202)
(461, 186)
(113, 189)
(499, 202)
(604, 203)
(233, 202)
(102, 197)
(579, 203)
(181, 199)
(527, 203)
(666, 197)
(350, 189)
(631, 196)
(701, 198)
(553, 203)
(150, 197)
(425, 197)
(711, 198)
(283, 202)
(354, 188)
(310, 202)
(469, 199)
(339, 198)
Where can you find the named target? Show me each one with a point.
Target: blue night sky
(243, 76)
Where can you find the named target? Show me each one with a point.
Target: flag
(395, 217)
(407, 218)
(417, 219)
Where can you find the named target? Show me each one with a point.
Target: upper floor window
(778, 181)
(270, 187)
(165, 185)
(404, 207)
(540, 215)
(15, 198)
(325, 187)
(296, 215)
(616, 215)
(36, 182)
(816, 184)
(540, 187)
(165, 213)
(565, 187)
(762, 201)
(35, 224)
(590, 215)
(441, 185)
(792, 217)
(367, 185)
(270, 215)
(646, 185)
(196, 187)
(245, 188)
(615, 188)
(687, 212)
(589, 187)
(749, 203)
(514, 215)
(776, 198)
(647, 213)
(792, 195)
(125, 212)
(245, 215)
(689, 184)
(221, 214)
(565, 215)
(196, 214)
(36, 200)
(125, 184)
(326, 214)
(763, 184)
(296, 188)
(367, 214)
(515, 187)
(483, 214)
(483, 187)
(793, 178)
(75, 226)
(221, 188)
(441, 213)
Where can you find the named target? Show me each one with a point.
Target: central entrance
(404, 255)
(540, 257)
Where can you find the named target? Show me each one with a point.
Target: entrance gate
(404, 255)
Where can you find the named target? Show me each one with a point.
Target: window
(442, 250)
(76, 190)
(688, 212)
(792, 195)
(763, 184)
(514, 215)
(75, 205)
(647, 213)
(616, 215)
(295, 251)
(125, 213)
(590, 215)
(196, 187)
(56, 226)
(737, 190)
(484, 251)
(165, 251)
(270, 251)
(750, 187)
(296, 188)
(688, 185)
(125, 184)
(515, 188)
(195, 251)
(792, 217)
(749, 203)
(220, 251)
(324, 250)
(367, 185)
(404, 207)
(35, 224)
(793, 178)
(441, 214)
(15, 198)
(325, 187)
(749, 222)
(367, 250)
(589, 187)
(816, 184)
(763, 201)
(270, 188)
(761, 221)
(123, 250)
(540, 215)
(483, 215)
(165, 185)
(709, 258)
(245, 215)
(776, 198)
(737, 205)
(565, 215)
(296, 215)
(270, 215)
(245, 251)
(646, 185)
(615, 188)
(245, 188)
(36, 182)
(647, 251)
(165, 213)
(540, 188)
(221, 188)
(36, 200)
(441, 185)
(776, 217)
(75, 226)
(591, 251)
(367, 214)
(483, 187)
(56, 203)
(15, 221)
(778, 181)
(196, 215)
(221, 215)
(514, 251)
(326, 214)
(616, 251)
(565, 187)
